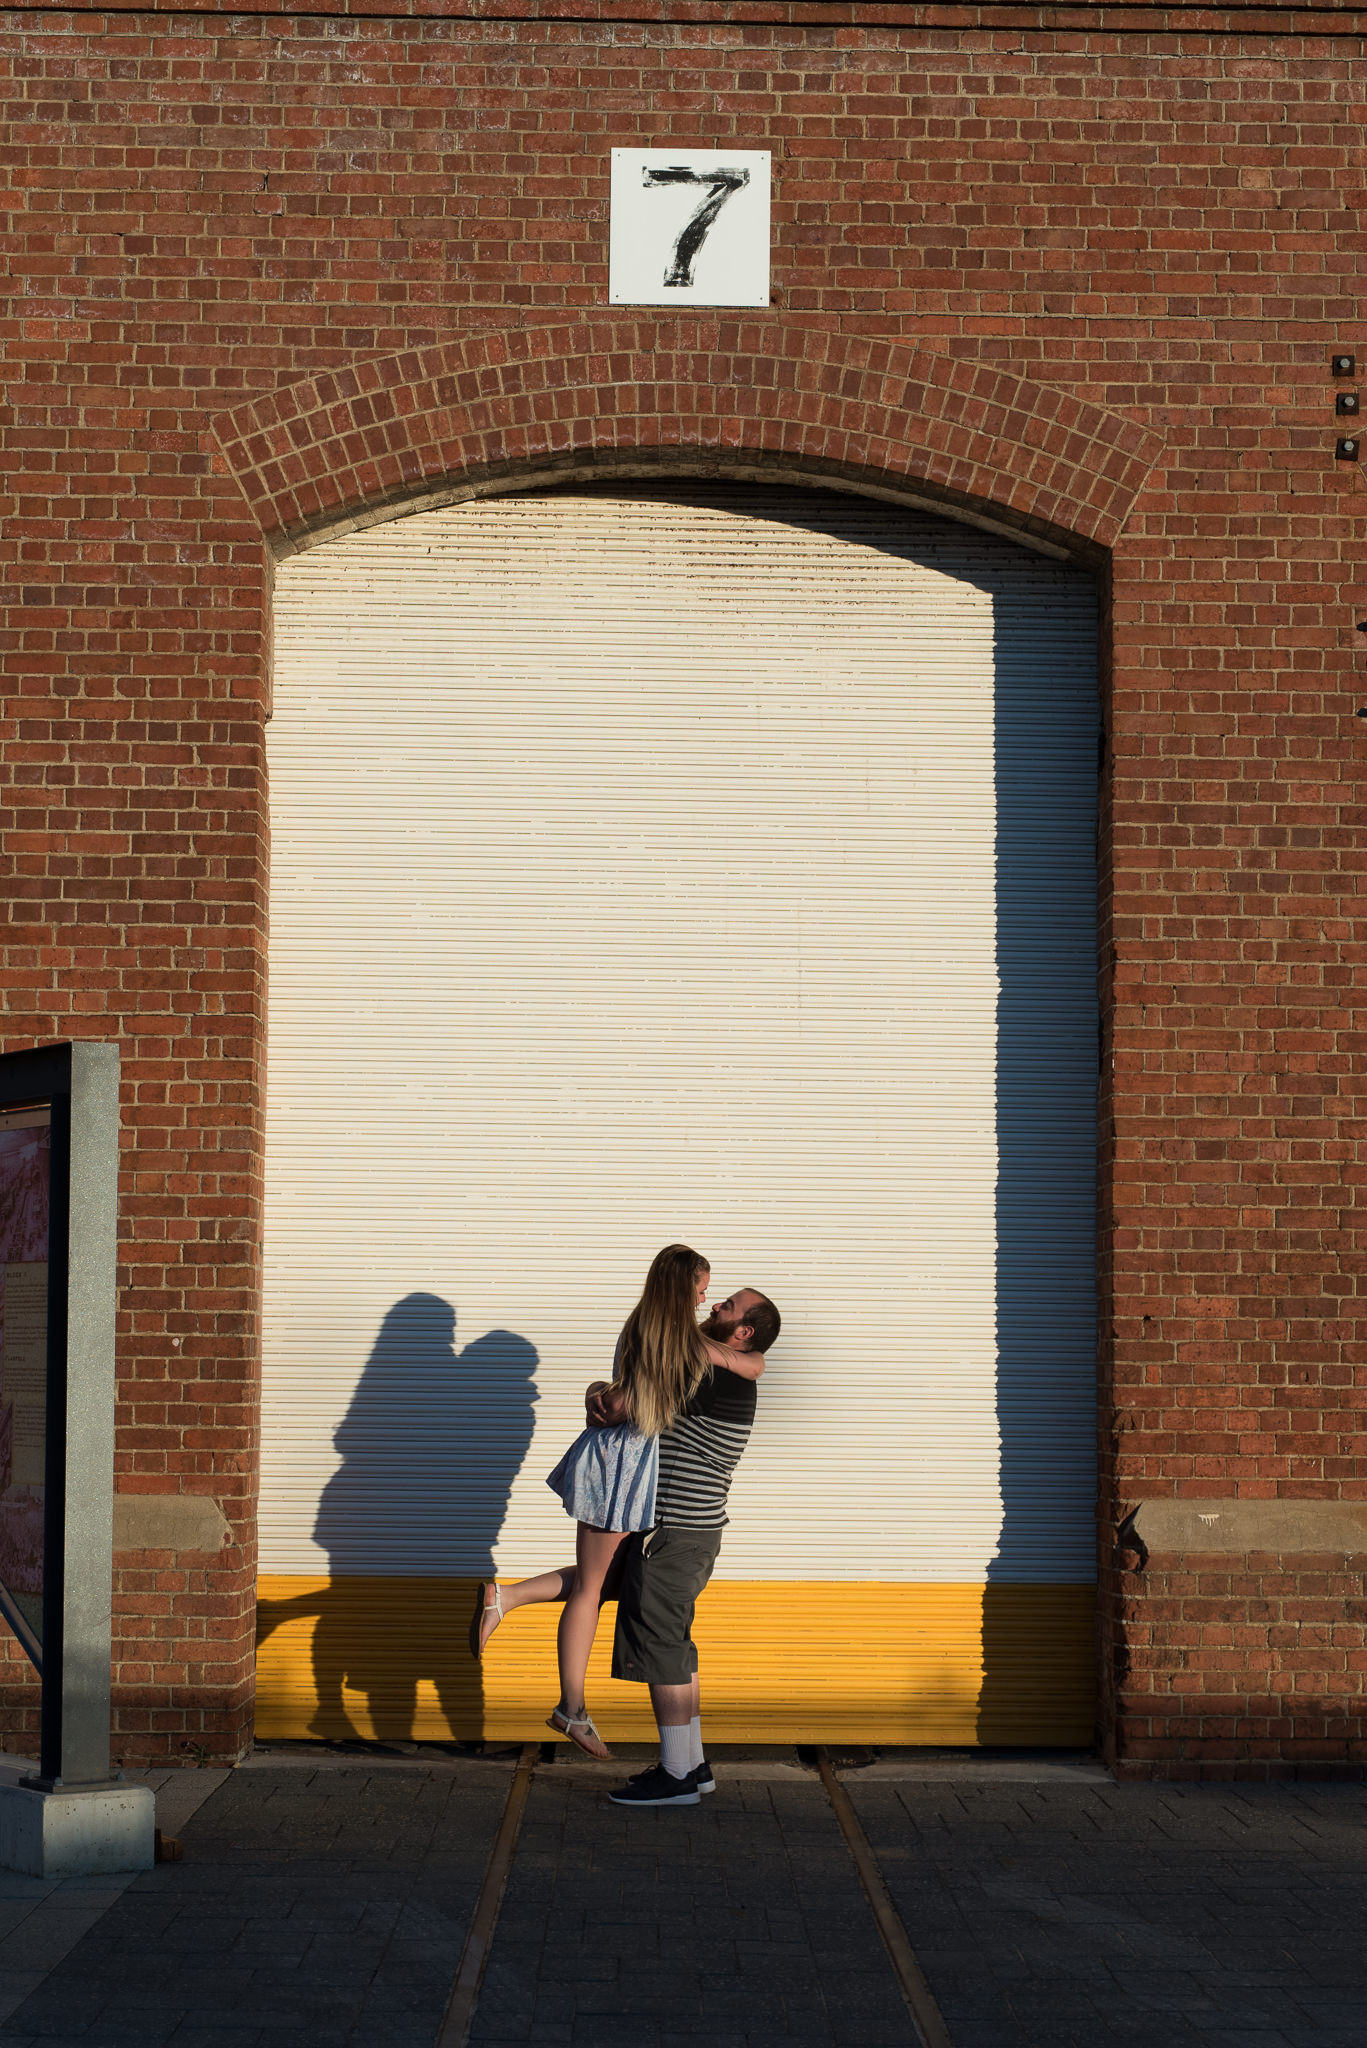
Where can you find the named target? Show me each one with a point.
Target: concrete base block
(77, 1834)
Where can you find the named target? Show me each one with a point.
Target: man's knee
(672, 1705)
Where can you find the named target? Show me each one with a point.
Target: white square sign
(689, 227)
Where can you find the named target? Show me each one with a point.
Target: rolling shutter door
(700, 862)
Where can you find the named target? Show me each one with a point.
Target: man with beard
(665, 1568)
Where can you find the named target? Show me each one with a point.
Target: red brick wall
(1239, 1665)
(1155, 218)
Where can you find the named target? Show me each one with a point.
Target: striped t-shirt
(701, 1451)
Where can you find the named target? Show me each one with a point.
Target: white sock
(674, 1751)
(694, 1742)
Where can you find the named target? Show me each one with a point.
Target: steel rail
(926, 2016)
(454, 2031)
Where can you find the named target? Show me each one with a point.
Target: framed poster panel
(25, 1243)
(59, 1120)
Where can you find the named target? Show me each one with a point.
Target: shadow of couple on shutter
(430, 1446)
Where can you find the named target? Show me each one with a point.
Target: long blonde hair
(662, 1360)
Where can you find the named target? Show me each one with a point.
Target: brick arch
(722, 396)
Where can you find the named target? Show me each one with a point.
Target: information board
(59, 1167)
(25, 1232)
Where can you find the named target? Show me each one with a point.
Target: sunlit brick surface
(271, 275)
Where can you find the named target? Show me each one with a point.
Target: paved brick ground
(326, 1907)
(42, 1919)
(738, 1923)
(1148, 1916)
(314, 1909)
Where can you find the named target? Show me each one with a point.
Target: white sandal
(565, 1724)
(484, 1605)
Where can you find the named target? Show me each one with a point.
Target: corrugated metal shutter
(712, 863)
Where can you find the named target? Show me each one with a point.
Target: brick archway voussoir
(633, 396)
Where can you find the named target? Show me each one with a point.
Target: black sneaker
(703, 1777)
(657, 1787)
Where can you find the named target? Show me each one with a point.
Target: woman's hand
(604, 1405)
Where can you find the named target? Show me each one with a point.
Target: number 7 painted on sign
(689, 228)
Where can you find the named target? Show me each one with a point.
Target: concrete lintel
(1287, 1526)
(169, 1521)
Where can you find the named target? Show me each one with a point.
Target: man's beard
(716, 1327)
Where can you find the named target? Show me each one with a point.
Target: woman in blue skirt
(606, 1478)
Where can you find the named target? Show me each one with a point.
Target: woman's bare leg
(596, 1551)
(555, 1585)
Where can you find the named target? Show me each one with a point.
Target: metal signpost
(59, 1130)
